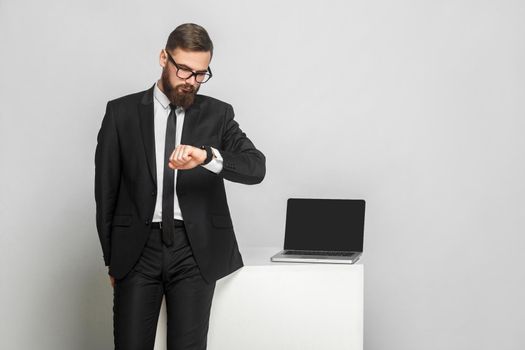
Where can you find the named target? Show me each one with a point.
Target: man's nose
(191, 80)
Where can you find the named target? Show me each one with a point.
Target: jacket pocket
(221, 221)
(121, 220)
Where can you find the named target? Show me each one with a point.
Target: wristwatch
(209, 154)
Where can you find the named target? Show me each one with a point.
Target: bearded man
(161, 211)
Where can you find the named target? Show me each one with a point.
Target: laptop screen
(325, 224)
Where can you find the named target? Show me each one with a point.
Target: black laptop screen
(325, 224)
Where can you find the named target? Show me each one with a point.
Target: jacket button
(146, 222)
(153, 193)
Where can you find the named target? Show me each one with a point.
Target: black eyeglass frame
(208, 74)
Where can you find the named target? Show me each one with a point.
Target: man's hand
(186, 157)
(112, 279)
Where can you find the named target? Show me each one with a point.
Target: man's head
(185, 63)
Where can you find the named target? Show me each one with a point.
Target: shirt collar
(160, 97)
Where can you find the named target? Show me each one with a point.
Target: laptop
(323, 231)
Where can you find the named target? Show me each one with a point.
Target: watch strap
(209, 154)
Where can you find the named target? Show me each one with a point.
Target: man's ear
(163, 58)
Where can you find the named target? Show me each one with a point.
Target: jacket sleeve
(107, 179)
(242, 162)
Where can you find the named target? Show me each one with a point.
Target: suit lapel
(191, 120)
(146, 120)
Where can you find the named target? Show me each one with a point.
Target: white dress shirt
(161, 111)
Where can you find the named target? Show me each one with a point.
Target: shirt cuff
(215, 165)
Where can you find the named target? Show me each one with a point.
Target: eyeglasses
(186, 73)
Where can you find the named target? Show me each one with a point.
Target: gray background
(416, 106)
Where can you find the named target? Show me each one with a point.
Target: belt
(158, 224)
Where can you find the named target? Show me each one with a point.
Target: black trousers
(137, 297)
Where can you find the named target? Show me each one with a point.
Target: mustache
(186, 88)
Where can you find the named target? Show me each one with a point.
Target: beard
(181, 95)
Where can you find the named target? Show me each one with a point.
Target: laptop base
(282, 257)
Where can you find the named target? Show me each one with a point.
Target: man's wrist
(209, 154)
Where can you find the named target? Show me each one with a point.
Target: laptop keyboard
(317, 252)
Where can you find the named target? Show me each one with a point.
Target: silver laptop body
(323, 231)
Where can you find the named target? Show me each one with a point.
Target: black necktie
(168, 190)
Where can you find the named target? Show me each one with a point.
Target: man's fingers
(182, 157)
(178, 155)
(183, 154)
(174, 154)
(187, 153)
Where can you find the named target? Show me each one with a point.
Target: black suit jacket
(126, 182)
